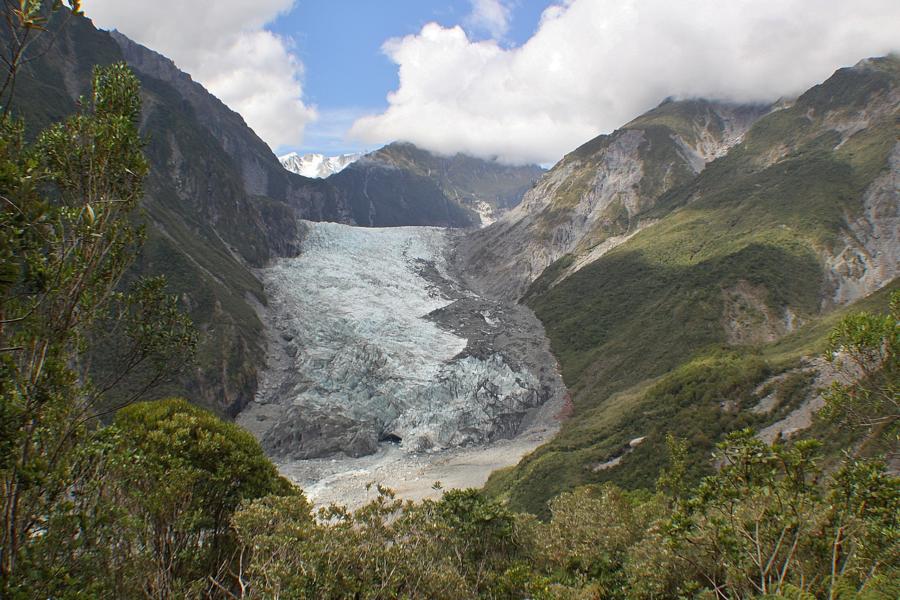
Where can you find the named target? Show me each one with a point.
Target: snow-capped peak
(317, 165)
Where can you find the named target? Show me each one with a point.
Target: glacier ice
(372, 339)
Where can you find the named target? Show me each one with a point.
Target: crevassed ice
(354, 286)
(354, 306)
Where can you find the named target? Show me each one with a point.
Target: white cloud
(595, 64)
(491, 16)
(224, 45)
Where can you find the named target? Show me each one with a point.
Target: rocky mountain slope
(315, 165)
(683, 262)
(205, 228)
(402, 181)
(600, 194)
(259, 170)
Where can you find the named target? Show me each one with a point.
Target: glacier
(376, 349)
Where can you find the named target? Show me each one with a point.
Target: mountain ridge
(759, 247)
(600, 192)
(317, 166)
(457, 191)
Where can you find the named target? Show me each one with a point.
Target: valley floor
(412, 476)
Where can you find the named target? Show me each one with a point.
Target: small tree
(461, 546)
(182, 474)
(764, 525)
(24, 23)
(67, 235)
(590, 533)
(865, 348)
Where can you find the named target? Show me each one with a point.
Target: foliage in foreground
(149, 507)
(170, 502)
(67, 237)
(768, 523)
(866, 349)
(67, 234)
(763, 526)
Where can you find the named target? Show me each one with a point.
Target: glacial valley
(383, 368)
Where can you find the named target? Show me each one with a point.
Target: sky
(518, 80)
(347, 75)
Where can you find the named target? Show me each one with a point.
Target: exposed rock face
(401, 181)
(824, 373)
(598, 196)
(870, 252)
(260, 170)
(374, 341)
(748, 319)
(227, 125)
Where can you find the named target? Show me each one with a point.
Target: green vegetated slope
(674, 330)
(402, 184)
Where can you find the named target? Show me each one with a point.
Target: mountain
(486, 187)
(401, 181)
(401, 184)
(218, 203)
(317, 166)
(688, 266)
(600, 194)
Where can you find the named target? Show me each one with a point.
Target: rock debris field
(383, 368)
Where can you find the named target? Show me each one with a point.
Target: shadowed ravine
(382, 368)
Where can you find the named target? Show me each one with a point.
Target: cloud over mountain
(224, 45)
(594, 64)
